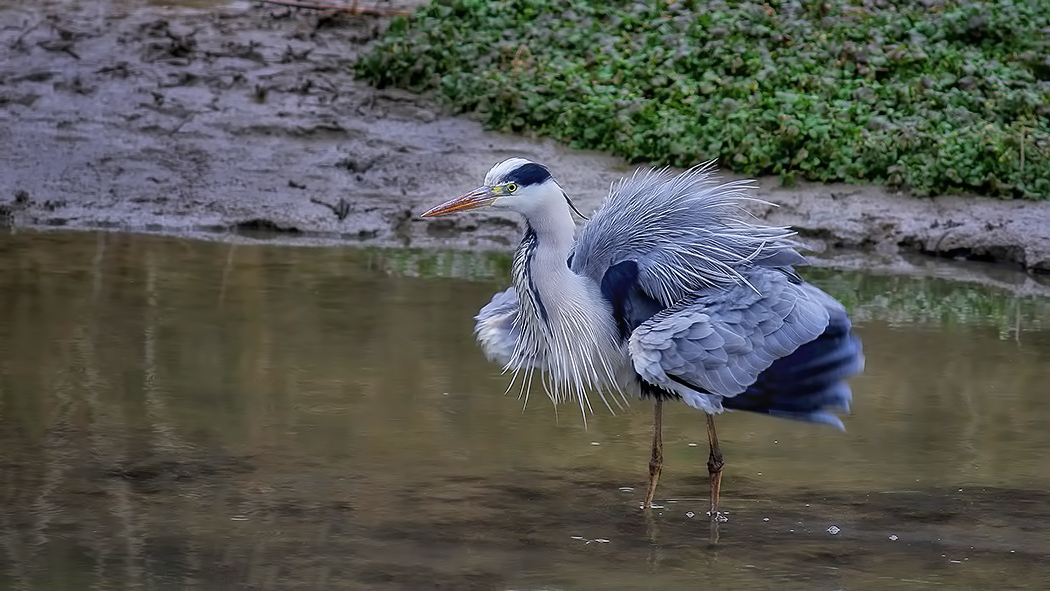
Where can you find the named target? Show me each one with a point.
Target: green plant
(936, 97)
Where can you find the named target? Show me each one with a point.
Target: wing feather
(495, 328)
(716, 346)
(687, 233)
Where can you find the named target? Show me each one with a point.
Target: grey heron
(669, 292)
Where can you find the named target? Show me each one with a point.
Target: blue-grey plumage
(686, 232)
(495, 328)
(669, 291)
(715, 345)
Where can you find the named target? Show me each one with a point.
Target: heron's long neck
(563, 319)
(553, 230)
(541, 274)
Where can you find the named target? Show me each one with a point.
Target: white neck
(541, 270)
(553, 225)
(563, 317)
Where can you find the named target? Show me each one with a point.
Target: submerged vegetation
(934, 96)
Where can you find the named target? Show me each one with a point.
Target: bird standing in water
(667, 293)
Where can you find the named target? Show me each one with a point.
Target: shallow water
(178, 414)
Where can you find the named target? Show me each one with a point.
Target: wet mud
(246, 120)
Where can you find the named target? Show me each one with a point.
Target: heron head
(516, 184)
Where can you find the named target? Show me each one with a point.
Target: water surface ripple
(178, 415)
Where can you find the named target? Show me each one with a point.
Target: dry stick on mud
(352, 9)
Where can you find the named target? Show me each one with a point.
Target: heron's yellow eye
(511, 187)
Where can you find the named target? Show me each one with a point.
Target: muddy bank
(245, 117)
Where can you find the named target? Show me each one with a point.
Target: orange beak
(479, 197)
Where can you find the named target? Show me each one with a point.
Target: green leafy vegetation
(932, 301)
(433, 264)
(870, 297)
(936, 96)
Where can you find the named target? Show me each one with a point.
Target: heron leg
(714, 465)
(656, 462)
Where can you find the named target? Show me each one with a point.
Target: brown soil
(220, 121)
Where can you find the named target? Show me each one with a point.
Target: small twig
(331, 85)
(351, 9)
(341, 209)
(184, 121)
(18, 42)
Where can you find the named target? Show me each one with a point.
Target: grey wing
(686, 232)
(715, 345)
(495, 328)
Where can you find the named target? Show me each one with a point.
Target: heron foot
(715, 463)
(655, 467)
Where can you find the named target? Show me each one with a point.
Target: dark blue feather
(631, 305)
(528, 174)
(810, 382)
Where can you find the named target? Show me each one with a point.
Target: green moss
(952, 96)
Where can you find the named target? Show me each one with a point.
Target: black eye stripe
(528, 174)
